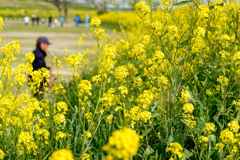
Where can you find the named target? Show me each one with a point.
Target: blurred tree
(100, 5)
(62, 5)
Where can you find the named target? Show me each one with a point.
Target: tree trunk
(60, 10)
(105, 6)
(65, 13)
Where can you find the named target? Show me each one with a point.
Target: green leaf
(211, 7)
(148, 151)
(156, 114)
(181, 3)
(156, 103)
(203, 119)
(76, 108)
(184, 42)
(201, 104)
(220, 125)
(201, 77)
(47, 155)
(213, 138)
(146, 132)
(135, 78)
(187, 154)
(172, 139)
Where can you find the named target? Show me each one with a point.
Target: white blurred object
(56, 23)
(26, 20)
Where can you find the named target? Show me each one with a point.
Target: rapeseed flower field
(167, 91)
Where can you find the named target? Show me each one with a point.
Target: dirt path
(60, 41)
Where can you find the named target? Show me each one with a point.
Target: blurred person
(26, 20)
(39, 62)
(77, 20)
(86, 20)
(49, 21)
(56, 22)
(37, 19)
(61, 19)
(43, 21)
(33, 19)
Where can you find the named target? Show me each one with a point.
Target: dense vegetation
(168, 92)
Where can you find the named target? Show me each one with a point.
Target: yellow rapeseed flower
(227, 136)
(122, 144)
(61, 154)
(109, 119)
(209, 127)
(1, 154)
(175, 148)
(95, 21)
(234, 126)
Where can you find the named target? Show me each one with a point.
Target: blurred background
(65, 23)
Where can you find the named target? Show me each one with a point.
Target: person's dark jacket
(39, 61)
(50, 19)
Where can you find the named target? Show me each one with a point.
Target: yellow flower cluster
(145, 99)
(236, 56)
(227, 136)
(1, 23)
(29, 57)
(88, 116)
(99, 32)
(39, 77)
(203, 139)
(219, 146)
(142, 7)
(88, 134)
(109, 99)
(185, 96)
(134, 115)
(188, 110)
(122, 144)
(59, 119)
(86, 157)
(62, 107)
(224, 54)
(122, 46)
(95, 21)
(209, 128)
(61, 154)
(175, 149)
(84, 86)
(234, 126)
(1, 151)
(145, 116)
(138, 51)
(106, 59)
(237, 102)
(223, 79)
(75, 60)
(125, 73)
(137, 82)
(123, 90)
(109, 119)
(60, 134)
(96, 78)
(26, 138)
